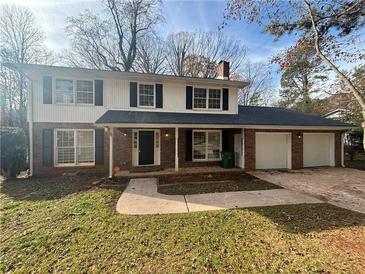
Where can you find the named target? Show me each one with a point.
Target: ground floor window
(73, 147)
(207, 145)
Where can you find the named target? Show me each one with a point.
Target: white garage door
(318, 149)
(273, 150)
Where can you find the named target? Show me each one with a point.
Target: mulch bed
(210, 183)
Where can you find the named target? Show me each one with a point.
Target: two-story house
(107, 120)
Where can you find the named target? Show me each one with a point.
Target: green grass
(247, 183)
(66, 225)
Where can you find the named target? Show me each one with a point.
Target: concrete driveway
(342, 187)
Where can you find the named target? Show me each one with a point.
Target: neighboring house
(337, 114)
(103, 120)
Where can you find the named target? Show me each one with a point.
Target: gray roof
(137, 76)
(247, 115)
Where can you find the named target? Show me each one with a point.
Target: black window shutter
(133, 94)
(47, 90)
(188, 145)
(47, 147)
(189, 97)
(159, 96)
(99, 146)
(98, 92)
(225, 99)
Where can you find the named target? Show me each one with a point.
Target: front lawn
(69, 225)
(233, 182)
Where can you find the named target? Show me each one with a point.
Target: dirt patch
(208, 183)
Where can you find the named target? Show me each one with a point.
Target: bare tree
(178, 46)
(112, 43)
(197, 53)
(21, 41)
(258, 91)
(151, 56)
(333, 27)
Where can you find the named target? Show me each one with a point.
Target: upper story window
(84, 92)
(146, 97)
(207, 98)
(64, 91)
(74, 91)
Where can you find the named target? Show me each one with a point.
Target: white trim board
(143, 125)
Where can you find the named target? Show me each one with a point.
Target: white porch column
(176, 149)
(111, 163)
(243, 148)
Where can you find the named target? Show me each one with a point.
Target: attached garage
(273, 150)
(318, 149)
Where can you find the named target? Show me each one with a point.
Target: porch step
(145, 169)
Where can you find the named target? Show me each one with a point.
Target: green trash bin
(227, 159)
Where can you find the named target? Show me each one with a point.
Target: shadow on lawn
(34, 189)
(306, 218)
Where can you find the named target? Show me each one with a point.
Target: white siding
(116, 97)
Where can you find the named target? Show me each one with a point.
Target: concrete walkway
(141, 197)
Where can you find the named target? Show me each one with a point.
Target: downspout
(30, 125)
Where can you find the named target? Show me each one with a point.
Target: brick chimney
(223, 70)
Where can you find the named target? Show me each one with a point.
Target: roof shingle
(247, 115)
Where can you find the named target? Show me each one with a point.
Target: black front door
(146, 148)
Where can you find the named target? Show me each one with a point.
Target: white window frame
(74, 90)
(154, 95)
(55, 156)
(207, 98)
(206, 146)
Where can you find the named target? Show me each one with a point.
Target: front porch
(166, 150)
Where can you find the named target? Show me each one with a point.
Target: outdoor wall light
(124, 134)
(166, 135)
(299, 135)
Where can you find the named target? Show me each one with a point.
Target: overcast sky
(179, 16)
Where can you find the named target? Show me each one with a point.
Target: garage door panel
(317, 149)
(272, 151)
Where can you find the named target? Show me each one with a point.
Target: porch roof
(247, 116)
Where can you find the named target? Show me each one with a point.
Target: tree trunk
(360, 99)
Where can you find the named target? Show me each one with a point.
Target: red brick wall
(250, 151)
(297, 149)
(123, 149)
(40, 170)
(338, 149)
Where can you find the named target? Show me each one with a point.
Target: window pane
(85, 146)
(200, 98)
(146, 95)
(214, 100)
(65, 138)
(84, 92)
(66, 155)
(199, 145)
(64, 91)
(82, 85)
(65, 147)
(214, 141)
